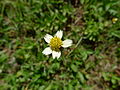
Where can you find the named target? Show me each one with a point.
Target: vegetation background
(93, 61)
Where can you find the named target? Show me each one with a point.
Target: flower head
(114, 20)
(55, 43)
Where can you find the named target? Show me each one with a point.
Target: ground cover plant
(91, 63)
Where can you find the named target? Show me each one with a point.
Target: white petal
(59, 34)
(67, 43)
(47, 51)
(48, 38)
(56, 54)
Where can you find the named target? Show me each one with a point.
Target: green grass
(91, 63)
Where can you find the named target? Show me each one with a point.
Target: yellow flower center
(55, 43)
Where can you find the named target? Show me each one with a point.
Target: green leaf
(74, 68)
(3, 57)
(81, 77)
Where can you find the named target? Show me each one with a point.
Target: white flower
(55, 43)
